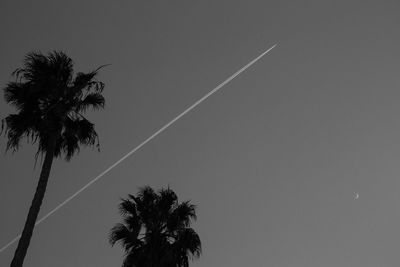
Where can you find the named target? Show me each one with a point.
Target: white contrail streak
(143, 143)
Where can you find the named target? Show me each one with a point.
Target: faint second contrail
(143, 143)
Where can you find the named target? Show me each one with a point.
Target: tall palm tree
(156, 230)
(49, 99)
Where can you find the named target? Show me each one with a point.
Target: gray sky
(272, 160)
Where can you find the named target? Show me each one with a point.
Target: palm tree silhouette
(50, 101)
(156, 230)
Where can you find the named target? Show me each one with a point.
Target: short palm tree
(49, 100)
(156, 230)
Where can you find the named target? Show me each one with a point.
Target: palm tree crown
(50, 101)
(156, 230)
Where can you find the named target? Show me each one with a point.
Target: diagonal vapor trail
(143, 143)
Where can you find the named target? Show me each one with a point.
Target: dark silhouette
(156, 230)
(50, 101)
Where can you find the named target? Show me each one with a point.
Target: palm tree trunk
(26, 236)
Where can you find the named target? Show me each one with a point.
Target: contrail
(143, 143)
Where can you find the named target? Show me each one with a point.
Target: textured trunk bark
(26, 235)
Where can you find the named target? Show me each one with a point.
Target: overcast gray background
(272, 160)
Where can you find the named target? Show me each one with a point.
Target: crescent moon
(356, 196)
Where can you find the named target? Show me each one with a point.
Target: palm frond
(17, 94)
(18, 126)
(93, 100)
(189, 241)
(76, 132)
(181, 216)
(127, 207)
(86, 82)
(119, 233)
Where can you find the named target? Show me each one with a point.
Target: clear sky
(272, 160)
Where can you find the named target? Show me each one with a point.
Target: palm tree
(156, 230)
(49, 100)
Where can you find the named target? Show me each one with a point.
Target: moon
(356, 196)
